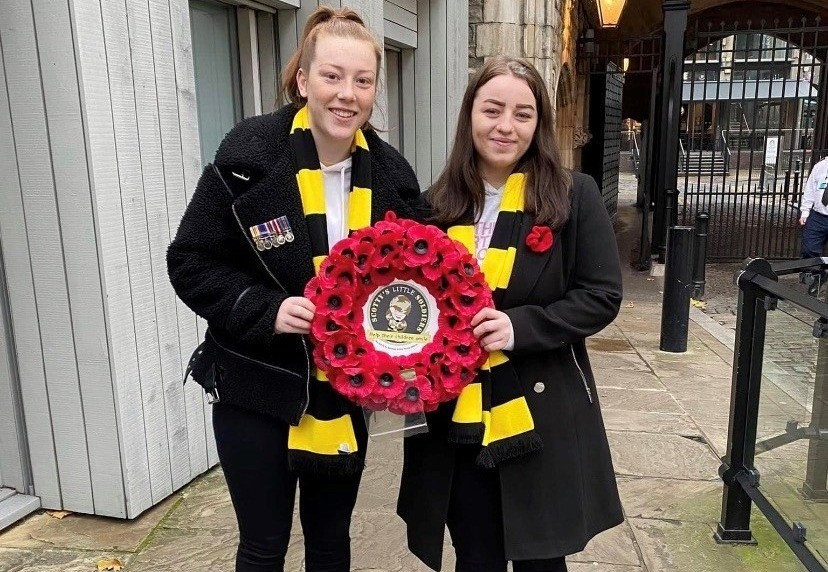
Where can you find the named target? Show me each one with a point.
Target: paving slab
(671, 499)
(626, 379)
(651, 455)
(689, 546)
(641, 400)
(205, 504)
(39, 560)
(173, 549)
(618, 361)
(600, 567)
(649, 422)
(612, 547)
(84, 532)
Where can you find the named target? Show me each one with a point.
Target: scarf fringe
(505, 449)
(466, 433)
(326, 465)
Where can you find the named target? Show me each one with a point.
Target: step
(6, 493)
(15, 507)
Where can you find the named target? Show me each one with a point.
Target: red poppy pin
(540, 239)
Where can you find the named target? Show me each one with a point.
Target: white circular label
(400, 318)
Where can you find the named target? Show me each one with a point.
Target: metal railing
(779, 325)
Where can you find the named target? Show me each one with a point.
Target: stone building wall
(546, 33)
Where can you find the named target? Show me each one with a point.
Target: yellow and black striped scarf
(325, 440)
(492, 410)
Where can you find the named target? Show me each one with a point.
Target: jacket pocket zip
(304, 407)
(581, 372)
(253, 360)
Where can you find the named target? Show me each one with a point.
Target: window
(216, 68)
(393, 82)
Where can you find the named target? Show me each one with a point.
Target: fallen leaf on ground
(109, 564)
(698, 303)
(58, 514)
(630, 305)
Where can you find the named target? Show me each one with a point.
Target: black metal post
(734, 525)
(678, 275)
(672, 65)
(700, 254)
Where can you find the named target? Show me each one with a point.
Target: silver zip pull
(583, 377)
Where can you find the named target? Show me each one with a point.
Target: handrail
(759, 292)
(725, 149)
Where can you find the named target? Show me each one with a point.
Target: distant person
(813, 215)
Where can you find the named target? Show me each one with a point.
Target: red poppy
(340, 350)
(414, 398)
(420, 245)
(462, 347)
(388, 377)
(356, 382)
(387, 248)
(337, 302)
(540, 239)
(363, 250)
(326, 324)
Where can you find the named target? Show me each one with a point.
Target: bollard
(678, 275)
(700, 254)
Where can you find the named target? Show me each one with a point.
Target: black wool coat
(553, 501)
(217, 271)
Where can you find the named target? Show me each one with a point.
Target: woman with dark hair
(282, 189)
(519, 467)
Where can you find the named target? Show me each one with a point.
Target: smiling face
(504, 117)
(340, 86)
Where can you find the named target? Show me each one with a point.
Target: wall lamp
(609, 12)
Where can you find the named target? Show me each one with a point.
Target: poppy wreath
(374, 257)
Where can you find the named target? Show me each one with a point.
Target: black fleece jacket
(216, 270)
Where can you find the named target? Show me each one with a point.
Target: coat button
(539, 387)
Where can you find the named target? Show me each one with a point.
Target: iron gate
(750, 100)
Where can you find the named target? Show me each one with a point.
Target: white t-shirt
(483, 230)
(814, 187)
(337, 180)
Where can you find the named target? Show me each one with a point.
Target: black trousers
(252, 449)
(475, 521)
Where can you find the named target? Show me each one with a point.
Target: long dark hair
(460, 187)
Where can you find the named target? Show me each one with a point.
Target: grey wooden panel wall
(441, 75)
(401, 21)
(98, 138)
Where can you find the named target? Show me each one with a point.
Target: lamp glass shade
(609, 11)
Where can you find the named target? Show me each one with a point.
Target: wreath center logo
(400, 317)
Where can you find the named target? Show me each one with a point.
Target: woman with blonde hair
(282, 189)
(518, 467)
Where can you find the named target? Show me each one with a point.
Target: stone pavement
(666, 417)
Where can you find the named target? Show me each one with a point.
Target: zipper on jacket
(580, 371)
(254, 360)
(276, 280)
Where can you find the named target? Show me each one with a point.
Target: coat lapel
(276, 195)
(528, 266)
